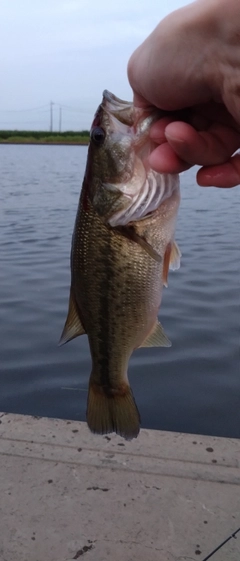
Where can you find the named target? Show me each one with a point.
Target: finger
(157, 131)
(164, 160)
(224, 175)
(197, 121)
(204, 148)
(214, 112)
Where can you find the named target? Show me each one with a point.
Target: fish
(123, 245)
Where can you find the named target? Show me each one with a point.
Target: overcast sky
(68, 52)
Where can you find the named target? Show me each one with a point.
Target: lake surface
(193, 386)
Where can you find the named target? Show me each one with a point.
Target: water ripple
(195, 385)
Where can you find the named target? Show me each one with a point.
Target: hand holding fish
(190, 67)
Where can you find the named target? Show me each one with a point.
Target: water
(192, 387)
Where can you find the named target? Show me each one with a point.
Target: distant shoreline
(74, 138)
(50, 143)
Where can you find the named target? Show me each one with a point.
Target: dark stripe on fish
(105, 317)
(130, 233)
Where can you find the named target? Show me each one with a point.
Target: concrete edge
(172, 454)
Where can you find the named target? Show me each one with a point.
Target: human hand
(207, 132)
(208, 138)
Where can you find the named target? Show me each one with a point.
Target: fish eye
(98, 135)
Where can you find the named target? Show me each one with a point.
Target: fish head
(118, 174)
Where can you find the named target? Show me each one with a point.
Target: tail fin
(112, 411)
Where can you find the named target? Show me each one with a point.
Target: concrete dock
(67, 494)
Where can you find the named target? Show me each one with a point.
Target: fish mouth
(123, 115)
(109, 96)
(122, 110)
(129, 190)
(136, 120)
(130, 115)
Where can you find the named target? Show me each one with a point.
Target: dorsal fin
(73, 326)
(157, 337)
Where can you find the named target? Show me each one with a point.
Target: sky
(67, 52)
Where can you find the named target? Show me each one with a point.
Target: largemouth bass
(122, 247)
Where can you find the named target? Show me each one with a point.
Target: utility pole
(60, 119)
(51, 116)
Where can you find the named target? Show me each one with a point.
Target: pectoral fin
(157, 337)
(148, 248)
(175, 257)
(171, 260)
(130, 233)
(73, 326)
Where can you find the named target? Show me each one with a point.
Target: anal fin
(157, 337)
(73, 326)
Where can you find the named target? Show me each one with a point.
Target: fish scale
(117, 274)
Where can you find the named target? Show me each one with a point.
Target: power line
(23, 110)
(17, 118)
(43, 109)
(21, 123)
(73, 109)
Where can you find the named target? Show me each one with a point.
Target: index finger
(204, 148)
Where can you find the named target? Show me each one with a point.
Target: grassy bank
(44, 137)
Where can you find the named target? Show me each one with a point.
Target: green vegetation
(44, 137)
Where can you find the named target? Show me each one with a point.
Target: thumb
(139, 101)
